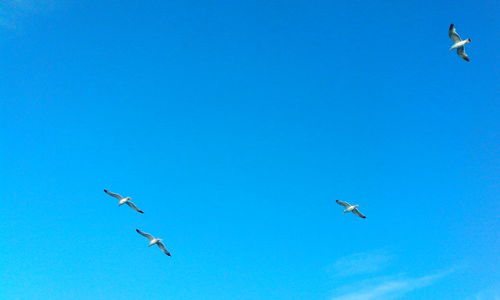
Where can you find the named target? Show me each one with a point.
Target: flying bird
(153, 241)
(123, 200)
(351, 208)
(458, 43)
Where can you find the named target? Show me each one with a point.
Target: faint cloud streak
(488, 294)
(11, 11)
(388, 288)
(362, 263)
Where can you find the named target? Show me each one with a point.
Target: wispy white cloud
(388, 288)
(379, 286)
(361, 263)
(487, 294)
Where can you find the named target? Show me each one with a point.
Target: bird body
(460, 44)
(350, 208)
(124, 200)
(154, 241)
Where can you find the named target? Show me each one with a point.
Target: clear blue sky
(235, 125)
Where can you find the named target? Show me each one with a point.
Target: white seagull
(458, 43)
(153, 240)
(351, 208)
(123, 200)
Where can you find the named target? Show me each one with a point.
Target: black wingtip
(138, 231)
(451, 26)
(169, 254)
(105, 190)
(141, 211)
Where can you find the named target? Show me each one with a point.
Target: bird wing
(343, 203)
(149, 236)
(117, 196)
(162, 247)
(132, 205)
(462, 54)
(357, 212)
(452, 33)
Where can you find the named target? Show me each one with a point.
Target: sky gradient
(235, 125)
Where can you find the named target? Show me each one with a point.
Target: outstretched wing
(147, 235)
(462, 54)
(452, 33)
(117, 196)
(162, 247)
(357, 212)
(132, 205)
(343, 203)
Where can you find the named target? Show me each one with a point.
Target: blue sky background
(235, 125)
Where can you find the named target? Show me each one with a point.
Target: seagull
(458, 43)
(153, 240)
(122, 200)
(351, 208)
